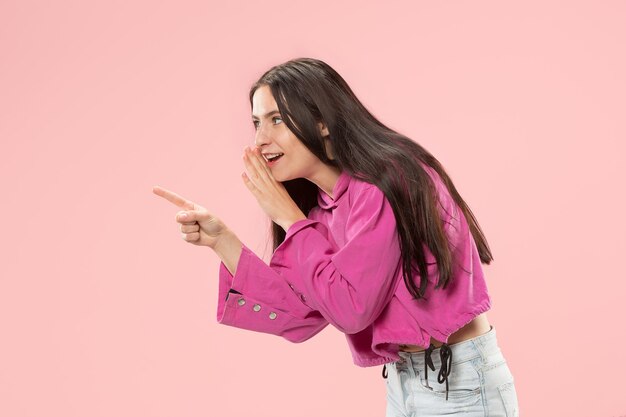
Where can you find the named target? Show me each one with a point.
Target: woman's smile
(272, 162)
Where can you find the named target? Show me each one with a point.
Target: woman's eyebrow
(266, 114)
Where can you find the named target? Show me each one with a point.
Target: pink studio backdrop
(106, 311)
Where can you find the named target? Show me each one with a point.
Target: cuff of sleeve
(247, 313)
(227, 280)
(239, 282)
(253, 277)
(291, 248)
(297, 226)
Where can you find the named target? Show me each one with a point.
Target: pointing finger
(173, 198)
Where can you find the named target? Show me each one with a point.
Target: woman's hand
(197, 225)
(270, 194)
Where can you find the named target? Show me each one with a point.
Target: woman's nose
(261, 138)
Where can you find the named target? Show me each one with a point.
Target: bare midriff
(478, 326)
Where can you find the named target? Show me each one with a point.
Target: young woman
(371, 236)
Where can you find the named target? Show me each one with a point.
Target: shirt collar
(324, 200)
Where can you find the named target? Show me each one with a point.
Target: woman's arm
(345, 286)
(350, 285)
(228, 248)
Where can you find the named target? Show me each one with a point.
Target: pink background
(106, 311)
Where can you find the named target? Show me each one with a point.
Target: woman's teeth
(272, 156)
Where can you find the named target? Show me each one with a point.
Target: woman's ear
(323, 129)
(328, 146)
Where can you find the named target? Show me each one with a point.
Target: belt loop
(480, 346)
(409, 365)
(428, 362)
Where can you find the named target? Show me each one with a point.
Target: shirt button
(241, 301)
(256, 307)
(272, 315)
(291, 286)
(302, 297)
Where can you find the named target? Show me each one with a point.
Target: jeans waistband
(446, 355)
(461, 351)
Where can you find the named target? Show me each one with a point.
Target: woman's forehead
(263, 101)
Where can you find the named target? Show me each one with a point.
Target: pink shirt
(342, 266)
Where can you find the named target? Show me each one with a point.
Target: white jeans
(480, 383)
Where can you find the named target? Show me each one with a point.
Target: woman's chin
(281, 178)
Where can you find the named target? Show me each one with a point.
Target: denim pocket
(509, 398)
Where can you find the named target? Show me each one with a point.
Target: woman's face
(273, 136)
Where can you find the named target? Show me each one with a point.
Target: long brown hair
(308, 91)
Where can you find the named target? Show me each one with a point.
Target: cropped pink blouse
(342, 265)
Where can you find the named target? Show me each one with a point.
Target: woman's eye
(256, 122)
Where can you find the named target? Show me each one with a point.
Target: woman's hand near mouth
(270, 194)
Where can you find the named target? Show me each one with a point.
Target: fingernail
(183, 216)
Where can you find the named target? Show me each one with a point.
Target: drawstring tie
(445, 354)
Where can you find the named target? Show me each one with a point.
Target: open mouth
(273, 157)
